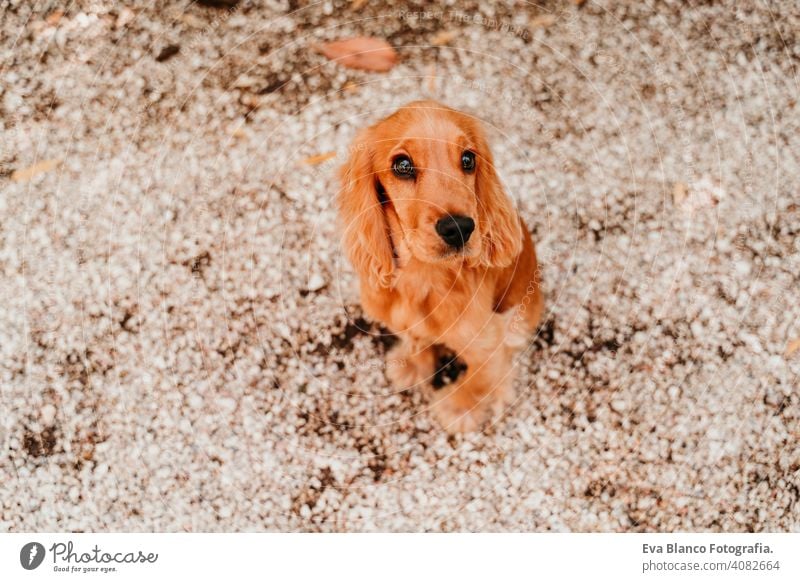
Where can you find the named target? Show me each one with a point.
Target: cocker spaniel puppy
(443, 258)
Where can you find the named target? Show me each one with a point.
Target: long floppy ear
(500, 225)
(366, 235)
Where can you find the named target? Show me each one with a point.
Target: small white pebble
(226, 404)
(195, 401)
(48, 414)
(743, 268)
(316, 282)
(619, 405)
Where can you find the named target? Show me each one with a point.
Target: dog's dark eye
(468, 161)
(403, 167)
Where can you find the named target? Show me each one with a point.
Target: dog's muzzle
(455, 230)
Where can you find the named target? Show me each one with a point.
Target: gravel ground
(181, 344)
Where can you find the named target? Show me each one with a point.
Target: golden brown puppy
(442, 256)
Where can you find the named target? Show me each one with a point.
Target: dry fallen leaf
(318, 159)
(678, 193)
(443, 37)
(190, 20)
(357, 4)
(54, 17)
(26, 174)
(350, 87)
(543, 20)
(792, 347)
(367, 53)
(237, 131)
(167, 52)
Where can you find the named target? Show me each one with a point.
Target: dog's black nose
(455, 230)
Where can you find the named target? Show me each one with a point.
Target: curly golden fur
(477, 293)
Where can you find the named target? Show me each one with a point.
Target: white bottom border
(379, 557)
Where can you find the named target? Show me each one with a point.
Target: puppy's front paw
(403, 369)
(457, 414)
(500, 400)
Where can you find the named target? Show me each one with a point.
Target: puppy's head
(424, 179)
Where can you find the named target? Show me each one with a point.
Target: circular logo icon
(31, 555)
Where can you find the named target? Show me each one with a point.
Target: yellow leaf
(678, 193)
(443, 37)
(364, 52)
(318, 159)
(237, 132)
(543, 20)
(54, 17)
(26, 174)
